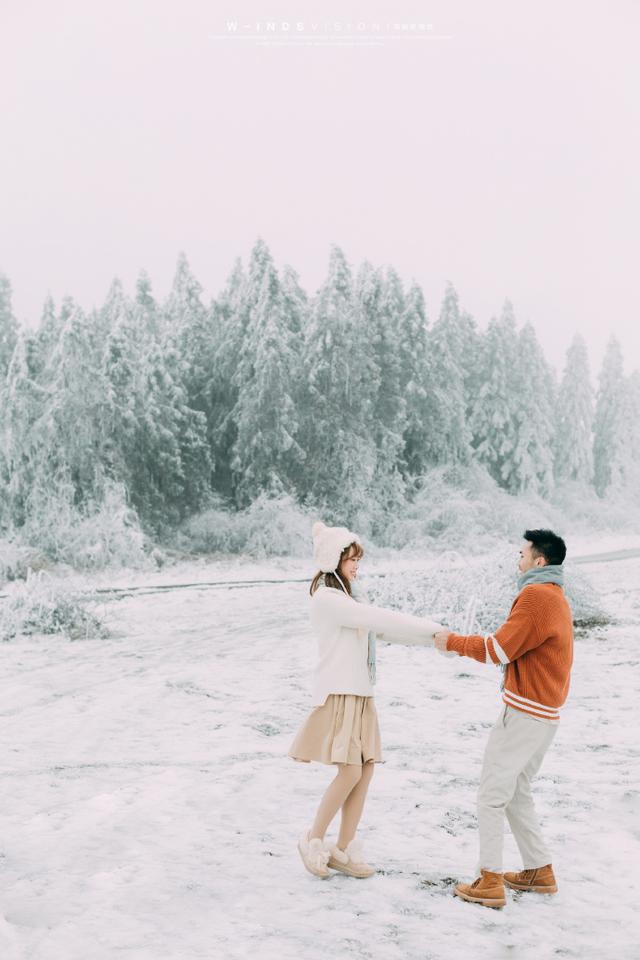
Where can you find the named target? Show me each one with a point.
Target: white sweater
(341, 626)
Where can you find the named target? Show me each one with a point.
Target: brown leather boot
(488, 890)
(540, 880)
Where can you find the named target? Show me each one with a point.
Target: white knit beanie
(328, 544)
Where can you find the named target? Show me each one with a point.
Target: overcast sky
(500, 152)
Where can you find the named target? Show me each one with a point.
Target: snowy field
(150, 810)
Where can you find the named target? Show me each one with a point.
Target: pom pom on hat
(328, 544)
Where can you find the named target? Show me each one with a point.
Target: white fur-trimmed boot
(314, 855)
(350, 861)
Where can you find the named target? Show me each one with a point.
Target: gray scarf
(360, 595)
(551, 573)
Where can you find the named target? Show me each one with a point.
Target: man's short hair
(547, 544)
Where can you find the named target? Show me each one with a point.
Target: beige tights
(347, 791)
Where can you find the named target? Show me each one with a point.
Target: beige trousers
(513, 755)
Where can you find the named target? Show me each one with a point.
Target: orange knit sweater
(535, 644)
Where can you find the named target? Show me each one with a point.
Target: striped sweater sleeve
(514, 638)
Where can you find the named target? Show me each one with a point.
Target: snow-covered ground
(150, 810)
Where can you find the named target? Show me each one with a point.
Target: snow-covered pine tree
(144, 318)
(494, 418)
(338, 411)
(297, 311)
(633, 431)
(146, 308)
(379, 306)
(105, 339)
(191, 328)
(228, 330)
(608, 431)
(124, 356)
(110, 314)
(53, 419)
(8, 326)
(625, 460)
(23, 455)
(188, 322)
(46, 336)
(232, 369)
(573, 445)
(156, 443)
(413, 344)
(296, 302)
(183, 308)
(533, 453)
(390, 411)
(449, 436)
(470, 341)
(8, 341)
(171, 466)
(73, 424)
(235, 358)
(145, 315)
(266, 453)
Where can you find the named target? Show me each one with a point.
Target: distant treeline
(339, 399)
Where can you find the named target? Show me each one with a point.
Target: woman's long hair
(330, 579)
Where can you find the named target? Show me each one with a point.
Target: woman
(342, 729)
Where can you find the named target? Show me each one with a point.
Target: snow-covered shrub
(16, 560)
(268, 528)
(216, 530)
(474, 595)
(464, 508)
(41, 605)
(94, 536)
(618, 511)
(276, 528)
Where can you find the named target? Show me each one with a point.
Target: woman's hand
(440, 640)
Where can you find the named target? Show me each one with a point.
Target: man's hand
(440, 640)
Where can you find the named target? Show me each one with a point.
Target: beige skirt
(343, 730)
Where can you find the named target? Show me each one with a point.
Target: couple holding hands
(534, 647)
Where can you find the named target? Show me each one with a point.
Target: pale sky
(500, 152)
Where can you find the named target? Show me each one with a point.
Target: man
(535, 647)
